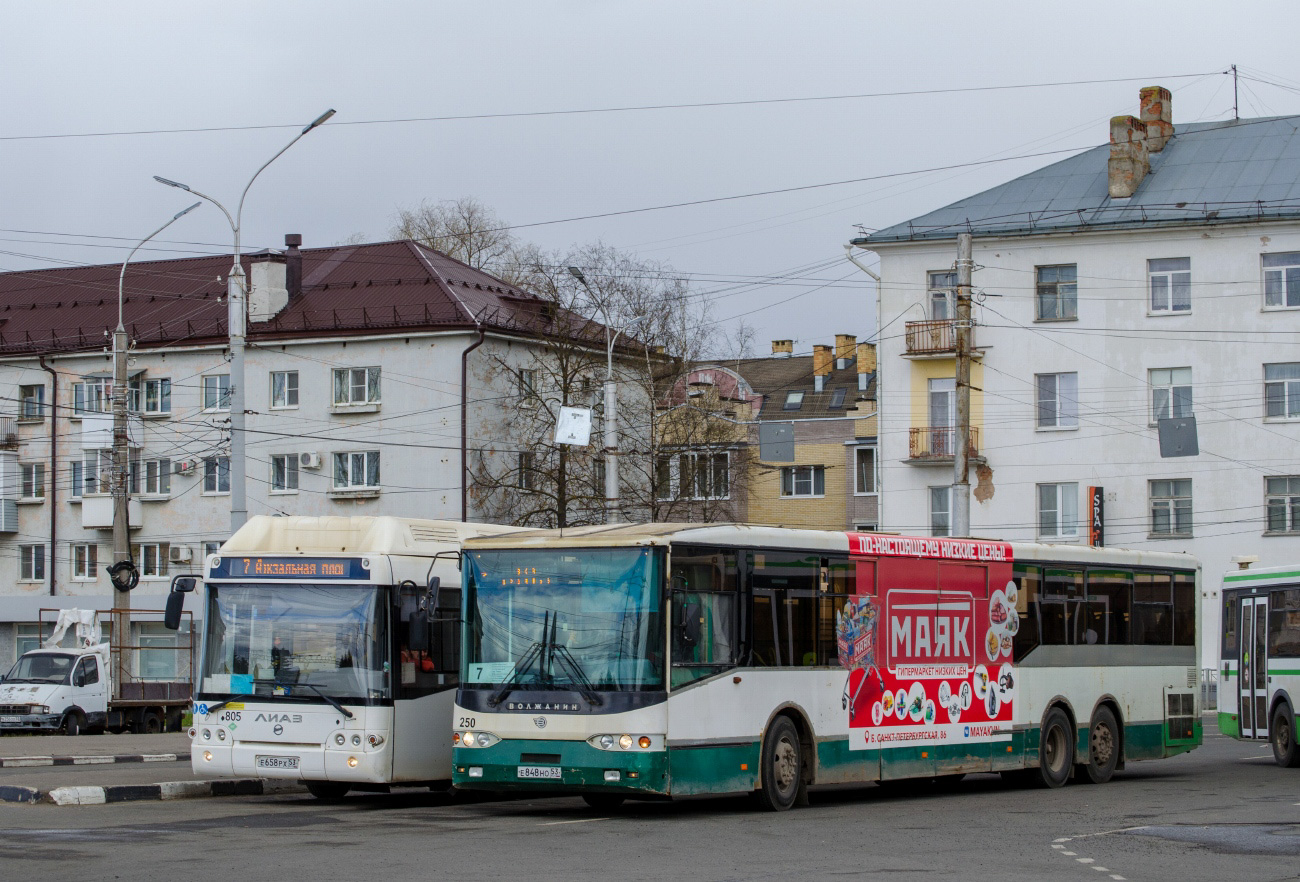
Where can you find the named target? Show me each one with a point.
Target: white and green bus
(1260, 681)
(674, 660)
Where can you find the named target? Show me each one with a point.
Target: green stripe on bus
(1257, 577)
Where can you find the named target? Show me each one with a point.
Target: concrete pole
(237, 315)
(961, 433)
(611, 447)
(121, 614)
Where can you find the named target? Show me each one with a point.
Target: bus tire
(327, 790)
(1103, 746)
(781, 767)
(1286, 752)
(603, 802)
(1055, 749)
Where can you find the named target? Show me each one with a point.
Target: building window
(837, 399)
(1058, 511)
(91, 473)
(527, 382)
(353, 386)
(31, 563)
(216, 474)
(151, 477)
(864, 470)
(1282, 390)
(150, 397)
(942, 285)
(1171, 393)
(803, 481)
(151, 558)
(33, 480)
(1282, 499)
(1171, 508)
(793, 401)
(359, 470)
(1057, 292)
(525, 477)
(1170, 281)
(940, 511)
(664, 477)
(216, 392)
(1282, 279)
(284, 389)
(1058, 400)
(85, 559)
(284, 473)
(92, 396)
(704, 475)
(31, 402)
(28, 637)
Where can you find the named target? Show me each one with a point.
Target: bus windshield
(296, 640)
(585, 619)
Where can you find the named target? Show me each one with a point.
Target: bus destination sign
(321, 569)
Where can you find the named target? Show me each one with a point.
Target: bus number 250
(467, 721)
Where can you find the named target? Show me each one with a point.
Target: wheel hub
(785, 765)
(1101, 746)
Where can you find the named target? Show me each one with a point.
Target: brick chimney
(844, 346)
(293, 265)
(782, 348)
(821, 366)
(1157, 114)
(1129, 159)
(267, 293)
(866, 364)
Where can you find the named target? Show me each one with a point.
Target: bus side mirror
(418, 631)
(181, 585)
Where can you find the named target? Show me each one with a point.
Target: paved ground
(93, 745)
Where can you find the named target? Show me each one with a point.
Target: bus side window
(785, 587)
(1284, 623)
(841, 584)
(1059, 613)
(1029, 581)
(705, 612)
(1184, 609)
(425, 671)
(1229, 626)
(1153, 610)
(1106, 609)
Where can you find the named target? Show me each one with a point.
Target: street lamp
(123, 573)
(237, 316)
(611, 403)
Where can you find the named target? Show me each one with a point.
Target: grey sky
(95, 67)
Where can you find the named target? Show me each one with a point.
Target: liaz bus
(329, 651)
(672, 660)
(1261, 658)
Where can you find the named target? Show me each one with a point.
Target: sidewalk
(97, 769)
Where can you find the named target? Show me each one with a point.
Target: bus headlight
(340, 739)
(625, 741)
(221, 734)
(622, 742)
(607, 742)
(478, 739)
(356, 740)
(207, 734)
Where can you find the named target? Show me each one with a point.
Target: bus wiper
(575, 671)
(213, 708)
(331, 699)
(533, 653)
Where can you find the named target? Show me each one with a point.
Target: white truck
(70, 690)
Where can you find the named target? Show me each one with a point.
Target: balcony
(938, 444)
(8, 432)
(933, 338)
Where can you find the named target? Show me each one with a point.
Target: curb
(18, 762)
(137, 792)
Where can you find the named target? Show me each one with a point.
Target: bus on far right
(1260, 665)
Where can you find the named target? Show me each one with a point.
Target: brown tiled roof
(347, 289)
(774, 377)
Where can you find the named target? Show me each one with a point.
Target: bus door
(1252, 667)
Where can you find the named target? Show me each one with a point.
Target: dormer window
(793, 401)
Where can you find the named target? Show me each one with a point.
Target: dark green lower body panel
(721, 768)
(1229, 725)
(582, 768)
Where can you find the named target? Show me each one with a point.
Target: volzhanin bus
(329, 651)
(1260, 681)
(672, 660)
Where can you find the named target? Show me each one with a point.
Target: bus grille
(1181, 716)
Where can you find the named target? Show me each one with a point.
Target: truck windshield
(585, 619)
(296, 640)
(41, 667)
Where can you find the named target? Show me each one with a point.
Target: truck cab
(49, 690)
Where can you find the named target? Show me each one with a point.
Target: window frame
(1057, 294)
(933, 494)
(858, 474)
(152, 559)
(290, 390)
(1172, 391)
(1169, 276)
(941, 293)
(83, 561)
(213, 397)
(137, 396)
(353, 486)
(1064, 510)
(349, 385)
(291, 475)
(36, 482)
(1171, 504)
(1287, 501)
(1063, 407)
(155, 486)
(793, 400)
(81, 397)
(815, 480)
(212, 469)
(1286, 265)
(27, 413)
(1290, 392)
(716, 483)
(31, 562)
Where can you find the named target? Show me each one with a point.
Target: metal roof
(1208, 173)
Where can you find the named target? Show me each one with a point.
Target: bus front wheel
(1055, 749)
(1282, 734)
(327, 790)
(782, 767)
(603, 802)
(1103, 746)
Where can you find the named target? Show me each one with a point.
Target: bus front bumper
(560, 767)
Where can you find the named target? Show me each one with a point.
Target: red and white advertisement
(928, 642)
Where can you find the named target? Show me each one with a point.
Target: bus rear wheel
(1103, 746)
(327, 790)
(1055, 749)
(781, 767)
(1282, 735)
(603, 802)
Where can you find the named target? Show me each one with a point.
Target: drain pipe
(464, 424)
(54, 468)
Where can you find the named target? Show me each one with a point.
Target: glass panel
(1106, 611)
(1153, 610)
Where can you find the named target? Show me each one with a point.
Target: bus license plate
(277, 762)
(545, 772)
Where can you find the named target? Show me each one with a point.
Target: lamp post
(237, 313)
(123, 572)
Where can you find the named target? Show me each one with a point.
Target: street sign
(573, 426)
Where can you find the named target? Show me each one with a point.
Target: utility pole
(1235, 115)
(961, 439)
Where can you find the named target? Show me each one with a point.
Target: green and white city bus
(672, 660)
(1260, 681)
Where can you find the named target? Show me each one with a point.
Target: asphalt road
(1223, 812)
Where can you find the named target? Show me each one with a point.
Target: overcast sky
(252, 72)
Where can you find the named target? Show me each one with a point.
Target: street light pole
(124, 577)
(237, 317)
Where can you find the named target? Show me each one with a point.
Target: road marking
(1085, 860)
(1058, 846)
(1101, 869)
(1070, 853)
(578, 821)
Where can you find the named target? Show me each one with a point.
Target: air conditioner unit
(180, 554)
(183, 466)
(309, 460)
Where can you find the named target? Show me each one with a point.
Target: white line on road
(578, 821)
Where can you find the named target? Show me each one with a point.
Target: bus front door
(1253, 667)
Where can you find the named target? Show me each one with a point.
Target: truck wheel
(1055, 749)
(74, 723)
(1103, 746)
(1282, 735)
(150, 723)
(327, 790)
(782, 767)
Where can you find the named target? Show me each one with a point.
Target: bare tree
(464, 228)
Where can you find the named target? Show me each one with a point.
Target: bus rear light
(375, 740)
